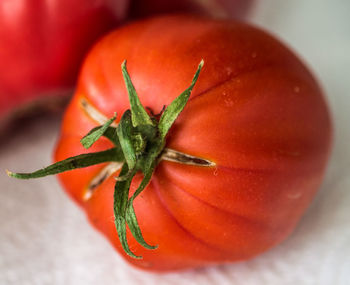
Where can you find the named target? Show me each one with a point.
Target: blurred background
(45, 238)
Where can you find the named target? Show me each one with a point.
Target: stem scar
(168, 154)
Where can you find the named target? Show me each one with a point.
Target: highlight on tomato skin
(42, 46)
(256, 112)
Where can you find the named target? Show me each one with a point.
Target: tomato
(42, 44)
(216, 8)
(256, 112)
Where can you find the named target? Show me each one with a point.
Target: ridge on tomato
(42, 44)
(256, 118)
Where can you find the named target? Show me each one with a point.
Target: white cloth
(45, 238)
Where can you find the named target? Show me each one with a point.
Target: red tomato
(216, 8)
(256, 112)
(42, 44)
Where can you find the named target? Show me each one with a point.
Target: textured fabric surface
(45, 238)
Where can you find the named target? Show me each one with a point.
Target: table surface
(45, 238)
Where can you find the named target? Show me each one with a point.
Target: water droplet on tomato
(294, 196)
(228, 70)
(296, 89)
(228, 102)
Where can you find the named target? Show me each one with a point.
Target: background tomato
(42, 44)
(256, 112)
(216, 8)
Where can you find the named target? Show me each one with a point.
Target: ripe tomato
(256, 112)
(215, 8)
(42, 44)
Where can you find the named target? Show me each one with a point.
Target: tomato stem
(139, 141)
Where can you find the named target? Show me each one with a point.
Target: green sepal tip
(175, 108)
(71, 163)
(138, 112)
(96, 133)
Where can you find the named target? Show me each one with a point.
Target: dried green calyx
(139, 141)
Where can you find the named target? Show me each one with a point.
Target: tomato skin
(44, 42)
(256, 111)
(214, 8)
